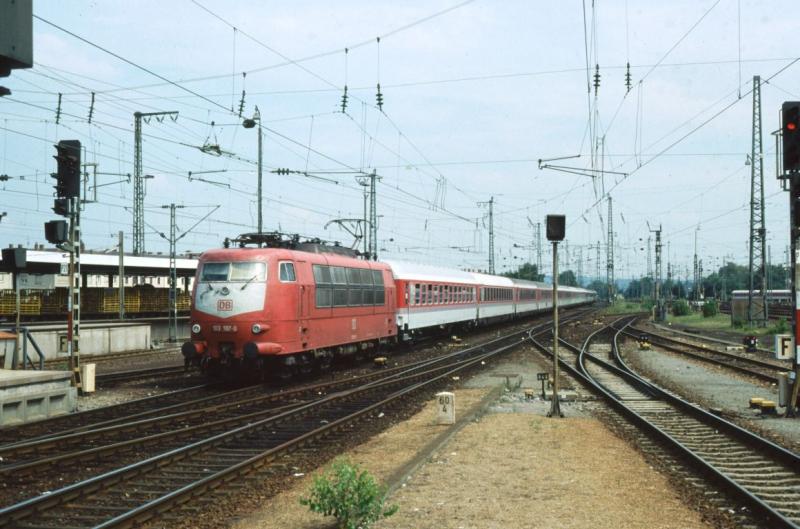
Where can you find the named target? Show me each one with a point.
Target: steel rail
(767, 364)
(116, 377)
(150, 430)
(694, 334)
(768, 449)
(726, 362)
(145, 406)
(387, 392)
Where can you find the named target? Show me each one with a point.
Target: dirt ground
(508, 468)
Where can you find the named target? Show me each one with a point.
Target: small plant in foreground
(349, 494)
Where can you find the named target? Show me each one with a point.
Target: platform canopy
(50, 262)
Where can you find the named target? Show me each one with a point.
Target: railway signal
(68, 175)
(556, 228)
(791, 136)
(789, 173)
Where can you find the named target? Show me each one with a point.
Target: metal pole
(17, 328)
(138, 177)
(491, 235)
(794, 240)
(173, 279)
(373, 217)
(257, 116)
(555, 407)
(138, 187)
(121, 274)
(71, 292)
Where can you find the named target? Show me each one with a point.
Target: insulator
(241, 104)
(379, 98)
(344, 100)
(596, 77)
(91, 108)
(628, 77)
(58, 110)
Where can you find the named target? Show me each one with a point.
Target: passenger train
(288, 310)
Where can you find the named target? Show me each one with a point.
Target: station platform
(27, 396)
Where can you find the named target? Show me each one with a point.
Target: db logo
(224, 304)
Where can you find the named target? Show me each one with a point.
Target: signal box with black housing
(68, 177)
(14, 258)
(556, 227)
(56, 231)
(790, 129)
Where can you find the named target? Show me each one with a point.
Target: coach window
(339, 277)
(354, 297)
(322, 279)
(417, 294)
(377, 281)
(368, 293)
(287, 272)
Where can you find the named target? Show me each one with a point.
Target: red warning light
(791, 126)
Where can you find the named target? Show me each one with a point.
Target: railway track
(166, 403)
(119, 377)
(22, 462)
(757, 473)
(146, 489)
(53, 363)
(741, 363)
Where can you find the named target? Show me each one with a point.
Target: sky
(475, 93)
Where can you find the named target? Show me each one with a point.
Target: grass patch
(722, 322)
(624, 307)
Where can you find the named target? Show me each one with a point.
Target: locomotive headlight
(196, 328)
(256, 328)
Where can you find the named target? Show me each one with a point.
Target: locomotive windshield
(236, 271)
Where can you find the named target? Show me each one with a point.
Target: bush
(738, 323)
(710, 309)
(349, 494)
(780, 327)
(680, 308)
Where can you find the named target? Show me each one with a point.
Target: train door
(294, 272)
(304, 293)
(401, 297)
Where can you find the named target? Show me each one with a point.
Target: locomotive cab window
(215, 272)
(236, 271)
(247, 271)
(287, 272)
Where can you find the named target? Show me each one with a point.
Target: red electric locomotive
(285, 311)
(294, 307)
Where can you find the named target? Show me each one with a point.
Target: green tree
(567, 278)
(600, 287)
(527, 271)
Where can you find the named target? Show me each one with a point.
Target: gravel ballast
(511, 467)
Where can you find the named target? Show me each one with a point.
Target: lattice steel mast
(138, 178)
(610, 252)
(757, 303)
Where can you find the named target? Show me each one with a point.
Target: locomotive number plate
(224, 304)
